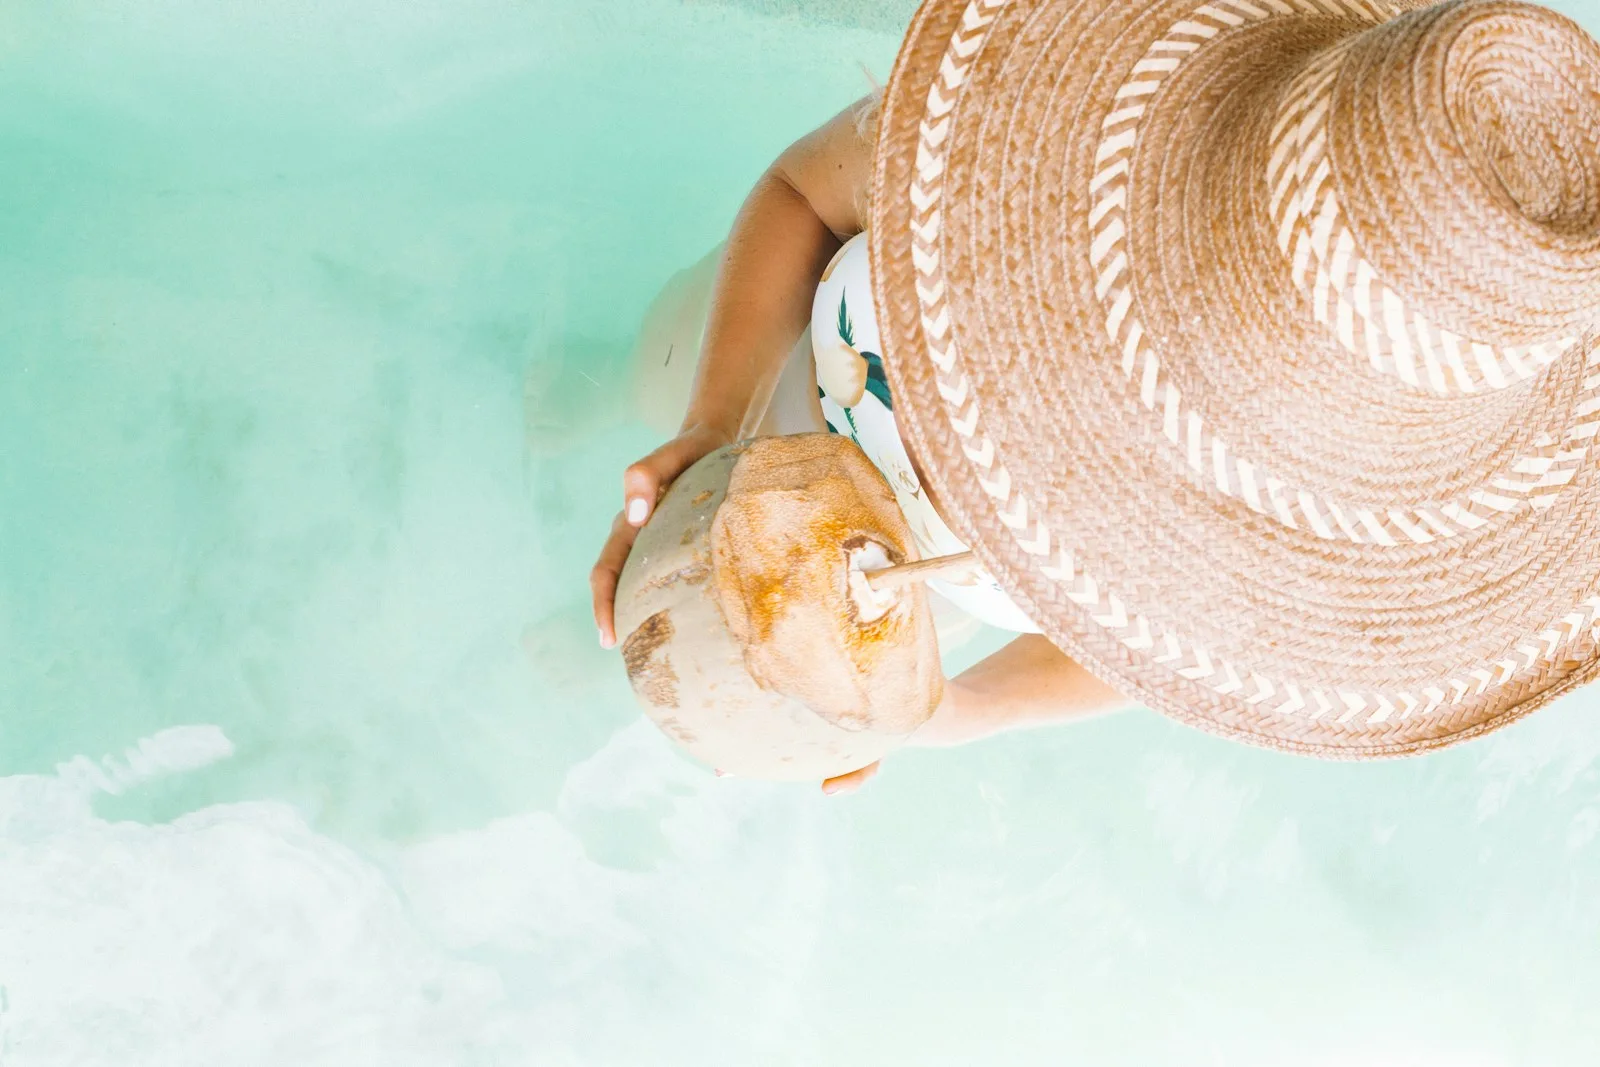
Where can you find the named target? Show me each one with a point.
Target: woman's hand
(643, 484)
(849, 783)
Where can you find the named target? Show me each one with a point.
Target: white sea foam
(171, 751)
(238, 934)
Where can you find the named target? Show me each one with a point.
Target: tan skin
(807, 204)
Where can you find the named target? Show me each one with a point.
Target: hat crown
(1458, 148)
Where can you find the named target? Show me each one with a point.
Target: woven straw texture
(1251, 344)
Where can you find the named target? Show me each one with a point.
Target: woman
(756, 376)
(1254, 344)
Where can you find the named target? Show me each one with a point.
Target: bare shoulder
(832, 167)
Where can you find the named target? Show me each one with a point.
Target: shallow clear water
(314, 322)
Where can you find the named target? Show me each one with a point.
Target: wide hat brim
(1250, 345)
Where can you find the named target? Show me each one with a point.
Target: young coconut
(750, 631)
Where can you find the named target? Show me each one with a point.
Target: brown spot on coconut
(786, 664)
(677, 731)
(647, 663)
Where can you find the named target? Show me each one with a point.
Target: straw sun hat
(1250, 344)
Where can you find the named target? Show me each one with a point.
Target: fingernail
(724, 774)
(830, 788)
(638, 508)
(605, 642)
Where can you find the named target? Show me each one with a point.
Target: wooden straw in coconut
(886, 578)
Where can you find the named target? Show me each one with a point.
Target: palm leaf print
(877, 381)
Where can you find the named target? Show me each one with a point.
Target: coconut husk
(750, 632)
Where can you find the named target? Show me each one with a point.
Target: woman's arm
(1027, 683)
(800, 211)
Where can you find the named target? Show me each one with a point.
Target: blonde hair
(868, 111)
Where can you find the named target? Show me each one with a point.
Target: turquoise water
(315, 324)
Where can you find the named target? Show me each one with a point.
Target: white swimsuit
(856, 403)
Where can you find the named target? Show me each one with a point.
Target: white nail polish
(638, 508)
